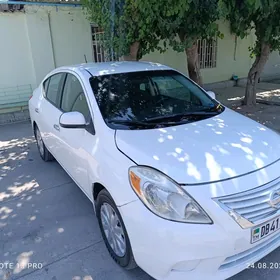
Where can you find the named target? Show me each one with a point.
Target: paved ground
(268, 115)
(46, 220)
(266, 91)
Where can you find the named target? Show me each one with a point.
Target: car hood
(213, 149)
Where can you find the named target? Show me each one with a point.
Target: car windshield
(149, 99)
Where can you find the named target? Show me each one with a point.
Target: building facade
(38, 38)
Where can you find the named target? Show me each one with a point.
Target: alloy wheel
(113, 229)
(40, 142)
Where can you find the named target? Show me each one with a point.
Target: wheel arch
(34, 125)
(96, 189)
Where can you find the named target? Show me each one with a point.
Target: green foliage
(262, 16)
(123, 24)
(192, 19)
(200, 21)
(152, 21)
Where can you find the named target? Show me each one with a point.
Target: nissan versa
(182, 186)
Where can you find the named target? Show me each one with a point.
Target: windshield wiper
(132, 123)
(218, 108)
(181, 116)
(142, 124)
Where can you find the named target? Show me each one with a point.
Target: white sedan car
(182, 186)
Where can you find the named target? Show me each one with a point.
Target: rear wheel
(113, 231)
(44, 153)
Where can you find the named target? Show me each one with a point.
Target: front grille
(252, 255)
(251, 205)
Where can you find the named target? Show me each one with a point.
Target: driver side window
(73, 98)
(173, 87)
(168, 86)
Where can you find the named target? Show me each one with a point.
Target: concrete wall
(58, 36)
(39, 38)
(232, 58)
(37, 41)
(16, 62)
(42, 38)
(171, 58)
(229, 62)
(71, 35)
(272, 67)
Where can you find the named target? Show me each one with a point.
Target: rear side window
(53, 87)
(45, 85)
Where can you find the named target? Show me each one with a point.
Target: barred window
(207, 53)
(97, 44)
(101, 53)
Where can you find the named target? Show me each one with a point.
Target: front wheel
(113, 231)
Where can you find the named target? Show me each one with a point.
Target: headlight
(164, 197)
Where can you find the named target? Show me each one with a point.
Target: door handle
(37, 110)
(56, 126)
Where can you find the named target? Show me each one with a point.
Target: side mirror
(72, 120)
(211, 94)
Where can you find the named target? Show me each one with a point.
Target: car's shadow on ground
(47, 226)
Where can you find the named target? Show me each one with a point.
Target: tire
(43, 151)
(124, 258)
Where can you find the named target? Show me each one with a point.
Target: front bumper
(176, 251)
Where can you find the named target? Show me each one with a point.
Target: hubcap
(40, 142)
(113, 229)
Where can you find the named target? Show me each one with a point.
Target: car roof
(105, 68)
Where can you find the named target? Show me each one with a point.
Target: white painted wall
(40, 45)
(71, 35)
(58, 36)
(16, 66)
(35, 42)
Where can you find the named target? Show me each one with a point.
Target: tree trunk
(193, 63)
(133, 52)
(254, 74)
(192, 59)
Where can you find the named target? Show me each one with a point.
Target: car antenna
(85, 58)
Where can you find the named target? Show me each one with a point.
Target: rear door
(49, 112)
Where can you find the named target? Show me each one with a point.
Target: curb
(9, 118)
(267, 102)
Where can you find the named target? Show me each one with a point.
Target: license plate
(261, 231)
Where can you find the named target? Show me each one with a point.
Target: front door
(75, 143)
